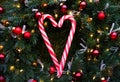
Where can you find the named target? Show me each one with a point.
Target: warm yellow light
(90, 1)
(91, 35)
(94, 77)
(1, 47)
(107, 49)
(81, 70)
(107, 28)
(34, 64)
(32, 31)
(99, 31)
(91, 50)
(45, 5)
(51, 79)
(61, 4)
(17, 60)
(19, 50)
(41, 80)
(18, 5)
(103, 78)
(88, 58)
(21, 70)
(98, 45)
(46, 23)
(56, 15)
(98, 40)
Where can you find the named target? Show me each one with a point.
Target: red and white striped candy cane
(58, 66)
(46, 39)
(68, 43)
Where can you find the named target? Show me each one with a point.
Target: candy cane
(58, 66)
(68, 43)
(46, 39)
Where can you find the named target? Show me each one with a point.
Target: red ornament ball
(101, 15)
(95, 52)
(104, 81)
(78, 75)
(34, 80)
(2, 56)
(38, 15)
(64, 9)
(1, 10)
(2, 78)
(82, 5)
(17, 30)
(27, 35)
(52, 69)
(113, 35)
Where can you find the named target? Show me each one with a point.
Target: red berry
(27, 35)
(1, 10)
(101, 15)
(17, 30)
(64, 9)
(52, 70)
(113, 35)
(95, 52)
(82, 5)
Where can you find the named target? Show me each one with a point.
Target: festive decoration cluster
(68, 16)
(18, 31)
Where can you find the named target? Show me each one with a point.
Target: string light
(17, 60)
(107, 49)
(99, 31)
(88, 58)
(18, 6)
(21, 70)
(45, 4)
(1, 47)
(98, 45)
(102, 78)
(90, 1)
(91, 35)
(45, 24)
(32, 31)
(51, 79)
(68, 72)
(41, 80)
(56, 15)
(94, 77)
(98, 40)
(19, 50)
(61, 4)
(107, 28)
(34, 64)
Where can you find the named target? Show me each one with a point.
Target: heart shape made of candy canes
(59, 66)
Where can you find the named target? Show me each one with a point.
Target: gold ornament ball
(89, 19)
(1, 47)
(12, 68)
(5, 22)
